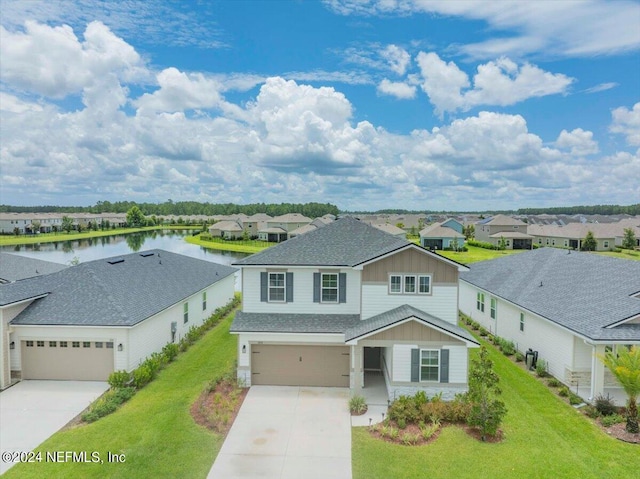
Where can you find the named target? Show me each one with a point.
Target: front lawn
(543, 438)
(154, 430)
(476, 253)
(240, 246)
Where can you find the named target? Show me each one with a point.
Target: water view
(90, 249)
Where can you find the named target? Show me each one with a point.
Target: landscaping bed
(218, 405)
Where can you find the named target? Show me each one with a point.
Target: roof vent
(541, 284)
(147, 254)
(115, 260)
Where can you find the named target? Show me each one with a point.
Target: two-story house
(496, 228)
(327, 307)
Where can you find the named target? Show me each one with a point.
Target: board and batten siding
(152, 334)
(411, 261)
(302, 292)
(441, 303)
(554, 344)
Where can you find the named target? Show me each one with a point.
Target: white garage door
(70, 360)
(289, 365)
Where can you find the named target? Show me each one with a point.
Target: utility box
(531, 359)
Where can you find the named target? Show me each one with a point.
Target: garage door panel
(66, 363)
(290, 365)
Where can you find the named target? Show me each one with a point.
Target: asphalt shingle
(292, 323)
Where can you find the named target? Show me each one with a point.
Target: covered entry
(298, 365)
(67, 360)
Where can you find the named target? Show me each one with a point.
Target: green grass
(240, 246)
(543, 438)
(624, 254)
(478, 254)
(6, 240)
(154, 429)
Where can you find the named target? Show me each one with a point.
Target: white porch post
(597, 371)
(357, 371)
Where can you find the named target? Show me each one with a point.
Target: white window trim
(438, 366)
(283, 287)
(185, 313)
(420, 276)
(337, 288)
(401, 283)
(480, 300)
(404, 284)
(493, 308)
(204, 301)
(521, 327)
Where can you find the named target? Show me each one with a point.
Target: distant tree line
(184, 208)
(584, 210)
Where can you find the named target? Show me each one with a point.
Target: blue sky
(364, 104)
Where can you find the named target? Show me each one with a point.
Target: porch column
(597, 371)
(357, 370)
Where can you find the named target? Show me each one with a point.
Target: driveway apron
(288, 432)
(31, 411)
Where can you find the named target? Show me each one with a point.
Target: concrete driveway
(31, 411)
(286, 432)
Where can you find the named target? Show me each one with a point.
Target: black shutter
(444, 365)
(264, 294)
(415, 365)
(289, 291)
(316, 287)
(342, 288)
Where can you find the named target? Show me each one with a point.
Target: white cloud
(398, 89)
(601, 87)
(52, 61)
(627, 122)
(500, 82)
(15, 105)
(568, 28)
(397, 58)
(579, 141)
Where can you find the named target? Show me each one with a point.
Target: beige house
(607, 235)
(228, 229)
(494, 229)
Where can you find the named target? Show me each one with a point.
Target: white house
(330, 306)
(85, 321)
(569, 306)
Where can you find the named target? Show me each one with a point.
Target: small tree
(589, 242)
(135, 218)
(67, 224)
(502, 245)
(625, 366)
(420, 224)
(629, 240)
(35, 226)
(469, 231)
(486, 410)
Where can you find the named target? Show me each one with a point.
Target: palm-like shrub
(625, 366)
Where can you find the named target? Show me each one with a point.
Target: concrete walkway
(31, 411)
(287, 432)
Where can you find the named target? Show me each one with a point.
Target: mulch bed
(205, 403)
(414, 429)
(619, 432)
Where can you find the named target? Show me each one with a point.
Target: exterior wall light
(120, 347)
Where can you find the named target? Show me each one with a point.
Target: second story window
(329, 287)
(395, 283)
(410, 284)
(276, 287)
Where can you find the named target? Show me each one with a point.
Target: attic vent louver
(147, 253)
(116, 260)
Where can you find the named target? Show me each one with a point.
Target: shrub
(402, 424)
(409, 439)
(119, 379)
(170, 351)
(554, 383)
(605, 405)
(458, 410)
(420, 398)
(357, 405)
(574, 399)
(481, 244)
(608, 421)
(435, 410)
(541, 368)
(563, 391)
(519, 357)
(483, 331)
(142, 375)
(404, 408)
(591, 411)
(108, 403)
(427, 432)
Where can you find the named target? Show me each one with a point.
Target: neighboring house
(14, 267)
(325, 307)
(438, 236)
(453, 224)
(277, 229)
(314, 225)
(493, 229)
(228, 229)
(568, 306)
(607, 235)
(254, 223)
(391, 229)
(85, 321)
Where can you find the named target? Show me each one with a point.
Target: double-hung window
(185, 313)
(494, 308)
(429, 365)
(522, 322)
(277, 287)
(424, 284)
(329, 288)
(204, 300)
(480, 301)
(409, 284)
(395, 284)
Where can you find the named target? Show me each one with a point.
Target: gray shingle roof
(98, 293)
(584, 292)
(14, 267)
(345, 242)
(292, 323)
(389, 318)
